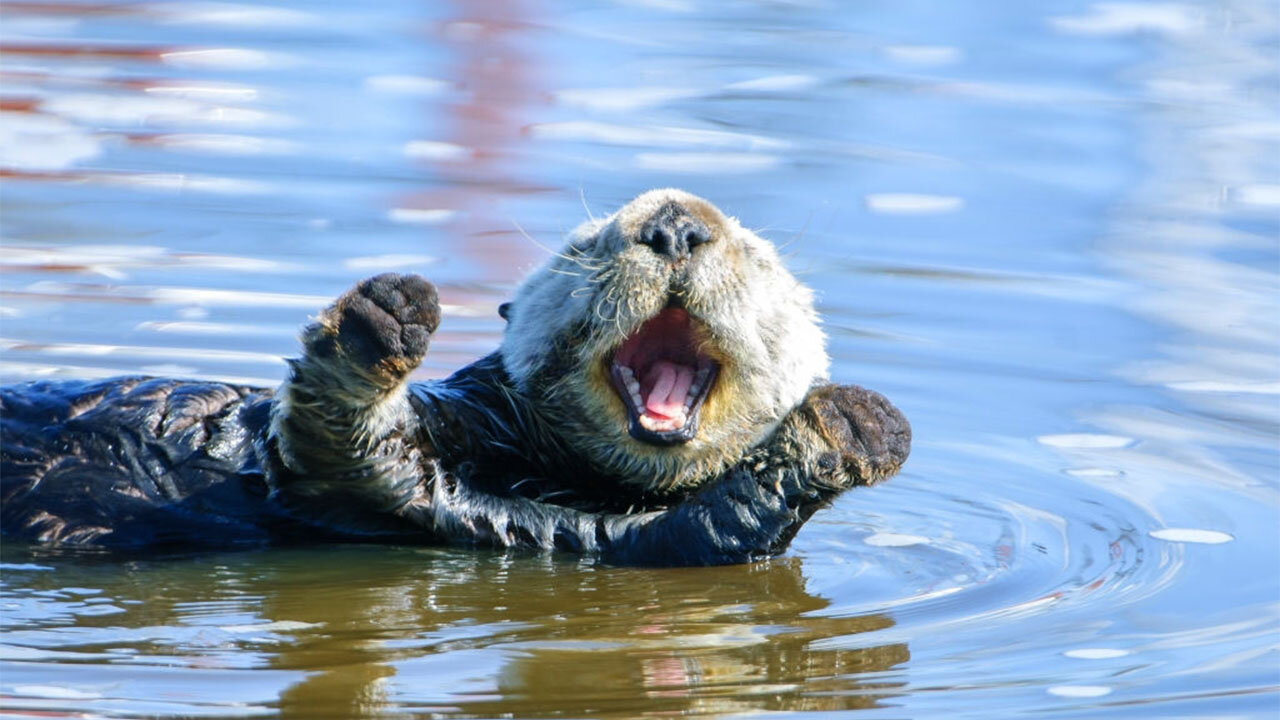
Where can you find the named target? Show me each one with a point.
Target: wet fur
(524, 448)
(757, 320)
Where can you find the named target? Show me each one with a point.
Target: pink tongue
(670, 383)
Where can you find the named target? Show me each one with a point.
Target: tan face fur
(756, 320)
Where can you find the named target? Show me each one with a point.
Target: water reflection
(578, 640)
(370, 630)
(496, 77)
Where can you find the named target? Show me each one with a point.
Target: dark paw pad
(867, 437)
(384, 324)
(409, 299)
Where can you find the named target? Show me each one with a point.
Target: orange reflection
(497, 81)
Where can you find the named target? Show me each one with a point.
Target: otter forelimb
(345, 446)
(842, 436)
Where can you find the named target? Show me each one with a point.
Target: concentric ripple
(1048, 236)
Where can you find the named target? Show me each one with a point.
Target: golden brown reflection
(568, 639)
(359, 631)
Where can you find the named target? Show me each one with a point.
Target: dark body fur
(139, 462)
(526, 448)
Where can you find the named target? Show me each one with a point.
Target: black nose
(673, 233)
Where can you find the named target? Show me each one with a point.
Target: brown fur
(751, 314)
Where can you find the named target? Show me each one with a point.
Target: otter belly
(134, 462)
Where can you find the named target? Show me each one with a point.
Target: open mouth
(663, 379)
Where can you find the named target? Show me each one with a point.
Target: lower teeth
(661, 424)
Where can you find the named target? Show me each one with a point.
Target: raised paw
(866, 438)
(382, 326)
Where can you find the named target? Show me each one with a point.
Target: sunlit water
(1047, 231)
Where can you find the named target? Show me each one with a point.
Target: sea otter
(659, 397)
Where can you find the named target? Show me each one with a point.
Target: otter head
(663, 341)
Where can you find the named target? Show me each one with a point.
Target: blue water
(1049, 232)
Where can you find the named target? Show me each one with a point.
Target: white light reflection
(435, 150)
(386, 262)
(33, 371)
(884, 539)
(1262, 195)
(623, 99)
(44, 142)
(1128, 18)
(923, 54)
(231, 14)
(223, 144)
(220, 92)
(912, 204)
(775, 83)
(225, 59)
(1191, 535)
(193, 327)
(1089, 441)
(138, 351)
(653, 136)
(1096, 653)
(155, 107)
(707, 163)
(421, 216)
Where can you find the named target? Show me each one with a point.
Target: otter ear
(504, 310)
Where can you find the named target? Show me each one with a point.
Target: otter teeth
(633, 386)
(695, 387)
(663, 424)
(672, 393)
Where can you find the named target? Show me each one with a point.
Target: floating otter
(659, 398)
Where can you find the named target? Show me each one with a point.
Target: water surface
(1047, 231)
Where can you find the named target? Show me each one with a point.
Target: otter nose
(672, 234)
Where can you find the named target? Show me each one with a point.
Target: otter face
(664, 341)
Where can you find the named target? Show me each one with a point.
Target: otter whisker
(521, 483)
(556, 494)
(612, 296)
(575, 260)
(799, 235)
(582, 262)
(579, 259)
(582, 196)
